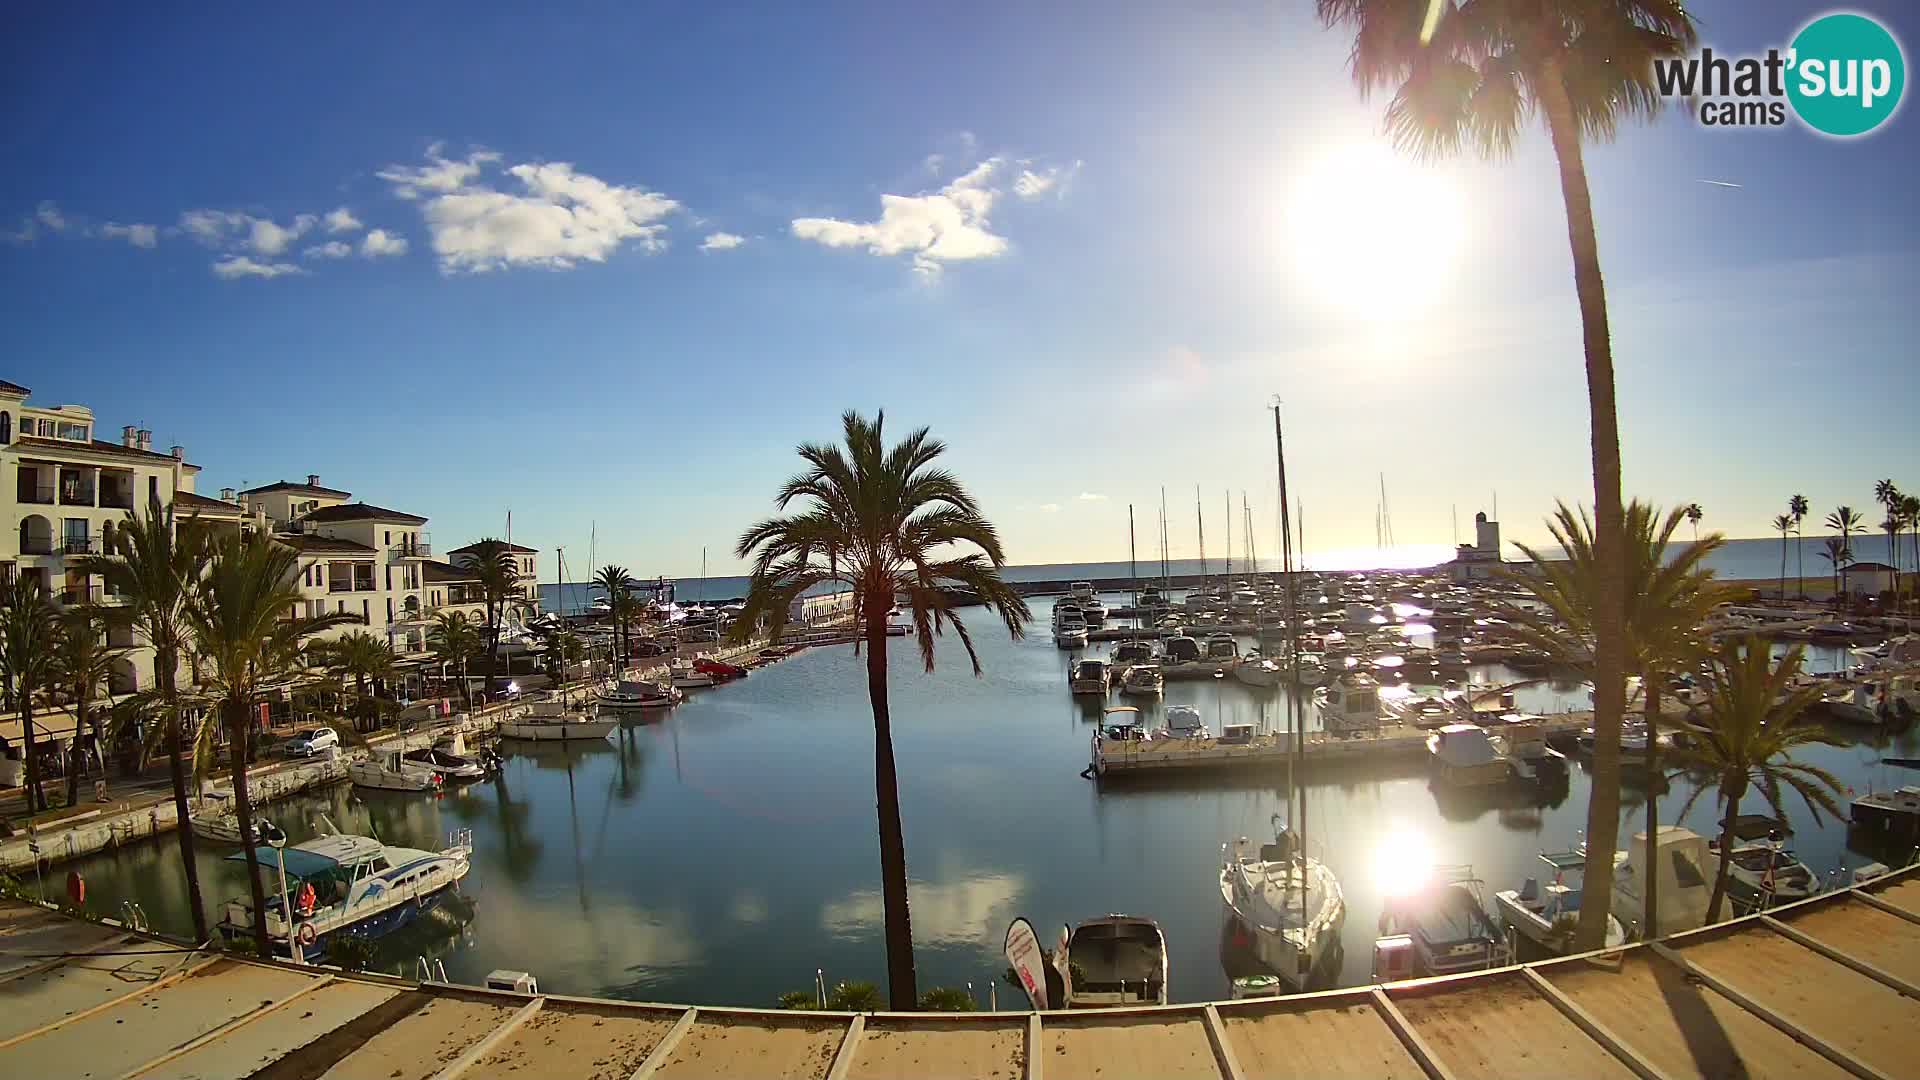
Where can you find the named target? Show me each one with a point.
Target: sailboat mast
(1295, 735)
(1226, 575)
(1200, 522)
(1165, 582)
(1133, 568)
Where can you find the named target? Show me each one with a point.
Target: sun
(1373, 232)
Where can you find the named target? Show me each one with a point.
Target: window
(389, 578)
(72, 432)
(340, 607)
(389, 537)
(6, 428)
(153, 489)
(389, 609)
(366, 614)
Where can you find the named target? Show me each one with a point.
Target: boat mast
(1226, 574)
(1133, 569)
(1165, 582)
(1294, 726)
(1200, 522)
(559, 588)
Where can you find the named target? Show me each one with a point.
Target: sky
(604, 267)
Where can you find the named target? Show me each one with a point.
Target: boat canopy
(1562, 861)
(1757, 827)
(325, 855)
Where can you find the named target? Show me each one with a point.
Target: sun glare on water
(1373, 231)
(1402, 861)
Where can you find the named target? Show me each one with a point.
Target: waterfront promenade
(1829, 987)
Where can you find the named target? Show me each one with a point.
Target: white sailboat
(553, 721)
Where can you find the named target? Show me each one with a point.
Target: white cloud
(140, 236)
(1091, 496)
(229, 228)
(1031, 185)
(332, 249)
(970, 911)
(722, 241)
(559, 218)
(934, 228)
(50, 216)
(381, 242)
(341, 220)
(1049, 508)
(438, 176)
(269, 238)
(210, 226)
(239, 266)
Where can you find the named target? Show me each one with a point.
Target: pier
(1826, 987)
(1114, 759)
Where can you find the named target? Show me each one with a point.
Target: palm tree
(243, 623)
(493, 565)
(29, 636)
(1694, 514)
(1847, 520)
(615, 582)
(1839, 556)
(1783, 523)
(455, 639)
(1799, 507)
(1667, 599)
(883, 521)
(1910, 514)
(625, 609)
(1887, 494)
(82, 664)
(1475, 73)
(155, 561)
(365, 658)
(1747, 741)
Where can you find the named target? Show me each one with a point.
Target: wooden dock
(1119, 758)
(1829, 987)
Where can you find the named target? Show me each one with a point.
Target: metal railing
(70, 595)
(80, 545)
(419, 547)
(116, 500)
(75, 496)
(36, 493)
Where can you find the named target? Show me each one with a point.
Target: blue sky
(1119, 230)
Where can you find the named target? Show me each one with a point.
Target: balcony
(116, 499)
(80, 545)
(36, 545)
(35, 493)
(70, 595)
(339, 586)
(418, 548)
(76, 494)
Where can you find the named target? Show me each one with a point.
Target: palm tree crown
(493, 565)
(29, 636)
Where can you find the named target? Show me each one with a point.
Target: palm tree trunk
(239, 728)
(1726, 845)
(1783, 566)
(901, 991)
(1609, 615)
(1650, 920)
(73, 774)
(36, 799)
(1800, 561)
(166, 667)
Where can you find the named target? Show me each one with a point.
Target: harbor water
(722, 853)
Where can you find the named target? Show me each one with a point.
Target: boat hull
(573, 731)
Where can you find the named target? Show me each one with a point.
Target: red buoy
(76, 888)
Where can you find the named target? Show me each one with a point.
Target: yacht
(1183, 722)
(1093, 610)
(1070, 633)
(1763, 871)
(1080, 591)
(352, 885)
(218, 823)
(1090, 677)
(1350, 703)
(640, 694)
(1128, 653)
(1449, 924)
(1464, 755)
(1257, 670)
(685, 676)
(553, 721)
(1143, 679)
(1121, 959)
(390, 770)
(1686, 878)
(1290, 904)
(449, 765)
(1547, 915)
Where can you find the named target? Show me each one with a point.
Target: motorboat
(220, 825)
(1183, 722)
(1464, 755)
(1312, 668)
(1448, 923)
(1525, 738)
(1071, 634)
(1143, 679)
(553, 721)
(720, 669)
(1548, 914)
(1257, 670)
(1762, 871)
(1290, 904)
(1122, 724)
(1477, 704)
(449, 765)
(1080, 591)
(346, 885)
(1348, 704)
(1120, 959)
(1419, 709)
(1093, 610)
(1181, 649)
(389, 770)
(1686, 883)
(1090, 677)
(1844, 702)
(1128, 653)
(640, 694)
(455, 745)
(685, 676)
(1221, 646)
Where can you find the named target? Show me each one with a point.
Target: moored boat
(1348, 704)
(1120, 959)
(1090, 677)
(1143, 679)
(346, 885)
(389, 770)
(1464, 755)
(1448, 923)
(1548, 914)
(1291, 905)
(640, 694)
(553, 721)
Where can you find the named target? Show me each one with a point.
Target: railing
(339, 586)
(36, 493)
(80, 545)
(117, 500)
(419, 548)
(77, 594)
(73, 496)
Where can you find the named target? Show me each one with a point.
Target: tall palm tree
(1799, 507)
(29, 636)
(243, 621)
(1783, 523)
(1837, 554)
(626, 609)
(493, 565)
(886, 523)
(1747, 739)
(1667, 599)
(154, 563)
(1847, 520)
(1475, 73)
(363, 657)
(82, 664)
(454, 640)
(1910, 514)
(1888, 494)
(1694, 514)
(616, 583)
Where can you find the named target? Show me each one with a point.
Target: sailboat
(1290, 903)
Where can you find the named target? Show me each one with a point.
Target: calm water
(721, 854)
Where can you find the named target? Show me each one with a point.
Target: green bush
(799, 999)
(946, 999)
(349, 952)
(854, 997)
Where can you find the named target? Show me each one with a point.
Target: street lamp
(278, 839)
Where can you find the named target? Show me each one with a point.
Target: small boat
(390, 771)
(1090, 677)
(1181, 649)
(1183, 722)
(1686, 879)
(1525, 737)
(1152, 598)
(640, 694)
(449, 765)
(346, 885)
(1290, 904)
(1421, 709)
(1121, 960)
(1070, 635)
(1128, 653)
(1257, 670)
(1348, 704)
(1093, 610)
(553, 721)
(1464, 755)
(1763, 871)
(1547, 915)
(455, 745)
(1448, 923)
(222, 826)
(1080, 591)
(686, 676)
(1222, 646)
(719, 669)
(1143, 679)
(1122, 725)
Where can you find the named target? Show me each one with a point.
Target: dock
(1119, 758)
(1828, 987)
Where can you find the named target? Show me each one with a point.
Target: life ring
(305, 900)
(76, 888)
(307, 934)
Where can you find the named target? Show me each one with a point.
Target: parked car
(650, 649)
(311, 741)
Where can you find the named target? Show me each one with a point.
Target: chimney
(143, 439)
(127, 436)
(179, 452)
(226, 495)
(313, 479)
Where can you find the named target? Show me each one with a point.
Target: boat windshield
(1089, 669)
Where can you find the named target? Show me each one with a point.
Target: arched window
(6, 428)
